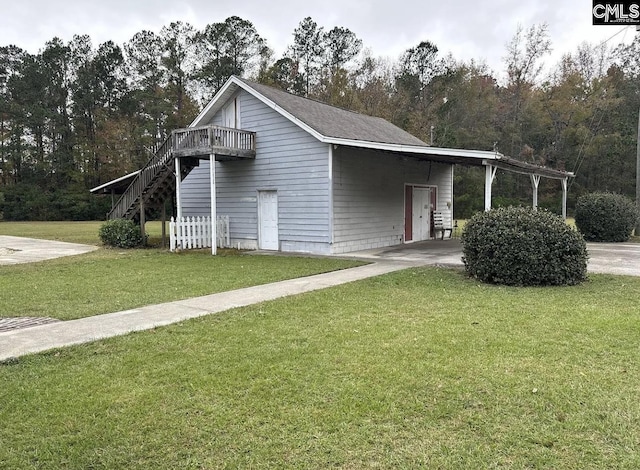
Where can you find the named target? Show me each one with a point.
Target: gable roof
(327, 123)
(338, 123)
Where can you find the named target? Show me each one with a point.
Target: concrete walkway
(41, 338)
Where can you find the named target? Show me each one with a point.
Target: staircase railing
(162, 156)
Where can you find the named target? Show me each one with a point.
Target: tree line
(76, 115)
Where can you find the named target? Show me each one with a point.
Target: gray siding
(368, 196)
(288, 160)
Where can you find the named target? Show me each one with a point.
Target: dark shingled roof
(336, 122)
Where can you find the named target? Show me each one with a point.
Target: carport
(492, 161)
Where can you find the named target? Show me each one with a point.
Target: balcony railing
(207, 140)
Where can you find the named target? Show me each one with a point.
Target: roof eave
(279, 109)
(478, 155)
(113, 182)
(517, 166)
(472, 157)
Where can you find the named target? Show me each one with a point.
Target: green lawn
(422, 368)
(109, 280)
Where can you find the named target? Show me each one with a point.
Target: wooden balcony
(156, 180)
(224, 142)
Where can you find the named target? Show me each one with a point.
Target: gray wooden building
(297, 175)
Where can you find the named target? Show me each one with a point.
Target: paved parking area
(607, 258)
(17, 250)
(614, 258)
(440, 252)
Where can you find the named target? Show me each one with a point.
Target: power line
(581, 155)
(623, 30)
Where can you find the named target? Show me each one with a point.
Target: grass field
(73, 232)
(423, 368)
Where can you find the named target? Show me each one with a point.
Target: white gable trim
(229, 88)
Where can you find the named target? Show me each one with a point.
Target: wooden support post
(142, 218)
(164, 223)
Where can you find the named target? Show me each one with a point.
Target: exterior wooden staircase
(156, 181)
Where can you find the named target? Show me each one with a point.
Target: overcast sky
(469, 29)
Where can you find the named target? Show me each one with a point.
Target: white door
(421, 214)
(231, 119)
(229, 114)
(268, 220)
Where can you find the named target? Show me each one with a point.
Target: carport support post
(535, 182)
(490, 174)
(214, 224)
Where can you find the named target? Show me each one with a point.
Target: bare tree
(525, 52)
(524, 64)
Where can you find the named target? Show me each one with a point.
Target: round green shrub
(121, 233)
(605, 217)
(520, 246)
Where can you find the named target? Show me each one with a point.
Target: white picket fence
(195, 232)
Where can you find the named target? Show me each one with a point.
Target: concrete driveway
(609, 258)
(440, 252)
(614, 258)
(17, 250)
